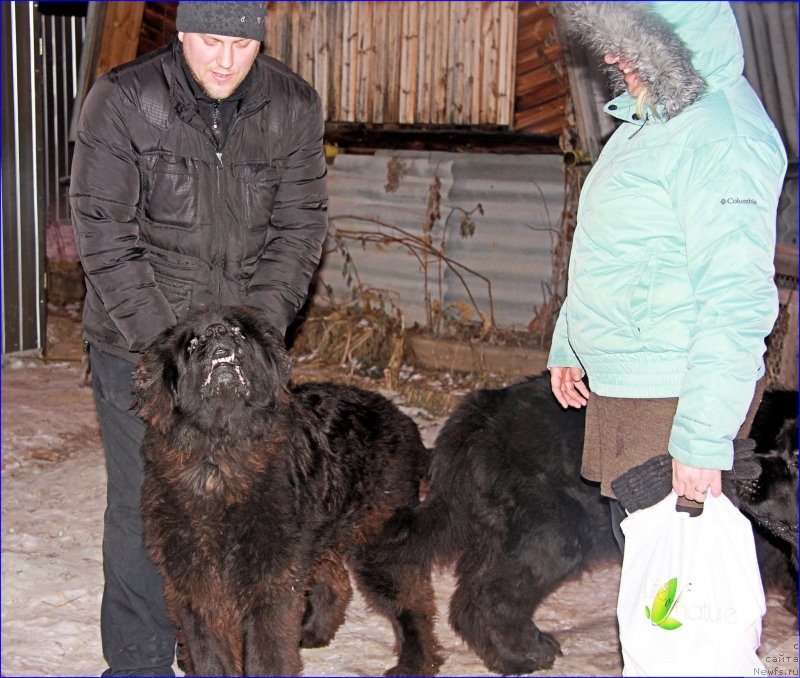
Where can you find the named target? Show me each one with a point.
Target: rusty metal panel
(521, 197)
(23, 179)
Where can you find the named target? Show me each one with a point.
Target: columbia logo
(738, 201)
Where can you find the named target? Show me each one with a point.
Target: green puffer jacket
(671, 290)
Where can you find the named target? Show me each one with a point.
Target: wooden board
(120, 37)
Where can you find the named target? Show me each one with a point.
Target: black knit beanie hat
(234, 19)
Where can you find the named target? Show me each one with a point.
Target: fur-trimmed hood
(680, 49)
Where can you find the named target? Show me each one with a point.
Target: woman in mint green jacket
(671, 290)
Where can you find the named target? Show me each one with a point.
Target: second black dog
(507, 504)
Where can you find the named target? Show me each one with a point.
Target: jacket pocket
(639, 299)
(167, 259)
(170, 190)
(258, 183)
(177, 292)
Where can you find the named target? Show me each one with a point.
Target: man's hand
(694, 483)
(568, 387)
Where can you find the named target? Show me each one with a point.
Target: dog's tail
(429, 534)
(437, 529)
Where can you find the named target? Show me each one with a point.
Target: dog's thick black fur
(771, 500)
(257, 495)
(507, 504)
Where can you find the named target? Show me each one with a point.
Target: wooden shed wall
(448, 63)
(542, 84)
(158, 25)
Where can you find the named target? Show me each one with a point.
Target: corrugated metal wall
(23, 179)
(402, 62)
(769, 36)
(521, 196)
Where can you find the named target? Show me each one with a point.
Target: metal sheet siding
(769, 37)
(62, 39)
(521, 196)
(23, 182)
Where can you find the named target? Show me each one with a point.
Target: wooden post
(120, 37)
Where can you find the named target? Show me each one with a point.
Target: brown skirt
(624, 432)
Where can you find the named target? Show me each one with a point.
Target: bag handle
(670, 503)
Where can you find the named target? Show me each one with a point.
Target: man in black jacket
(198, 178)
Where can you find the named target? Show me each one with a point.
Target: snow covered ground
(52, 513)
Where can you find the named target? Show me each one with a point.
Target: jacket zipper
(640, 127)
(220, 231)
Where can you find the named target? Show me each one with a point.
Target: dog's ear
(277, 353)
(271, 341)
(154, 385)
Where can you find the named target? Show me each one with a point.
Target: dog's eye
(235, 330)
(192, 345)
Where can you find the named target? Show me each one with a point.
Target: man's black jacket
(165, 223)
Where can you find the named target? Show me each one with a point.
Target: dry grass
(364, 344)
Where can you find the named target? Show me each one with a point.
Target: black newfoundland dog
(507, 504)
(771, 499)
(256, 496)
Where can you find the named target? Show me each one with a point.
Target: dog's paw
(310, 640)
(400, 670)
(540, 655)
(429, 667)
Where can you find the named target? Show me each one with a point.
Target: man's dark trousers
(138, 638)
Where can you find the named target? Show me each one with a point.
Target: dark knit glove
(645, 484)
(648, 483)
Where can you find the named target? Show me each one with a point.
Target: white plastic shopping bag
(690, 599)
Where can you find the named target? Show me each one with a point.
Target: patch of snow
(52, 526)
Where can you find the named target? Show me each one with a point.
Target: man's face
(219, 63)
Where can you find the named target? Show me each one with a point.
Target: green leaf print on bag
(663, 604)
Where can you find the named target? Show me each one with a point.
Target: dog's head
(214, 366)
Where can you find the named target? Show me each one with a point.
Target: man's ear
(180, 36)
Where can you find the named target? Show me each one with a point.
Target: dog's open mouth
(225, 369)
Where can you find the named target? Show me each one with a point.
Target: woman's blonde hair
(644, 101)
